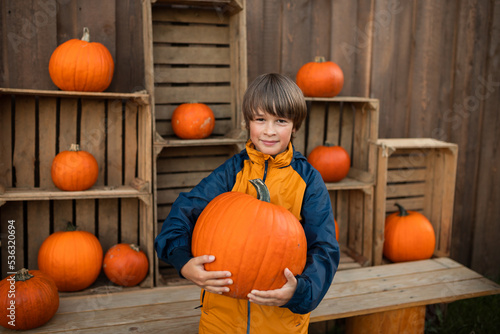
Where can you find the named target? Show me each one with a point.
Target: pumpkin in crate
(320, 78)
(81, 65)
(193, 121)
(72, 258)
(332, 162)
(28, 299)
(74, 170)
(125, 264)
(409, 236)
(252, 238)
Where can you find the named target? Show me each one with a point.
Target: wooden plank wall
(435, 67)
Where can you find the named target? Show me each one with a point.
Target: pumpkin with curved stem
(409, 236)
(252, 238)
(320, 78)
(332, 162)
(72, 258)
(28, 299)
(125, 264)
(81, 65)
(193, 121)
(74, 170)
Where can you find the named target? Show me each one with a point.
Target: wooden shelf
(141, 98)
(236, 137)
(349, 184)
(37, 194)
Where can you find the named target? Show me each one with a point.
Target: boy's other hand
(278, 297)
(212, 281)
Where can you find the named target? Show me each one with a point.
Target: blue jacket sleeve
(322, 247)
(173, 243)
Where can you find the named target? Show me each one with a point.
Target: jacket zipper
(265, 171)
(248, 318)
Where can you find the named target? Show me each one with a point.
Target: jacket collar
(281, 160)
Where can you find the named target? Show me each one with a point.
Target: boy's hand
(278, 297)
(212, 281)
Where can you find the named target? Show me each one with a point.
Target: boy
(273, 108)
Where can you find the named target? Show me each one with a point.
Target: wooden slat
(180, 180)
(93, 133)
(114, 135)
(317, 123)
(47, 108)
(346, 136)
(188, 15)
(38, 229)
(190, 34)
(190, 164)
(406, 175)
(191, 55)
(405, 190)
(24, 149)
(108, 223)
(85, 215)
(334, 127)
(201, 94)
(192, 74)
(67, 123)
(5, 141)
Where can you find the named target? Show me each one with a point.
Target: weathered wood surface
(354, 292)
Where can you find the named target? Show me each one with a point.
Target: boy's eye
(283, 121)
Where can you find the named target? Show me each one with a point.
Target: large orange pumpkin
(74, 170)
(252, 238)
(409, 236)
(320, 78)
(72, 258)
(28, 299)
(125, 264)
(81, 65)
(332, 162)
(193, 121)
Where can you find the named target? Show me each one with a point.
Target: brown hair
(277, 95)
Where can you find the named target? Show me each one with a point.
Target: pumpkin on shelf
(72, 258)
(125, 264)
(193, 121)
(74, 170)
(81, 65)
(320, 78)
(409, 236)
(28, 299)
(331, 161)
(256, 247)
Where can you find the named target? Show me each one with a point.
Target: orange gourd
(72, 258)
(409, 236)
(125, 264)
(28, 300)
(252, 238)
(332, 162)
(320, 78)
(193, 121)
(81, 65)
(74, 170)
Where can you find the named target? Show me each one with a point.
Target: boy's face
(270, 134)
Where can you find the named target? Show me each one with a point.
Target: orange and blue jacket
(294, 184)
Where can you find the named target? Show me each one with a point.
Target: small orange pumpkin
(252, 238)
(332, 162)
(320, 78)
(28, 299)
(409, 236)
(72, 258)
(79, 65)
(193, 121)
(74, 170)
(125, 264)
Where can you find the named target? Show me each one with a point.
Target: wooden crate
(195, 51)
(352, 123)
(115, 128)
(418, 173)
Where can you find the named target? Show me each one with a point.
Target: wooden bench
(369, 296)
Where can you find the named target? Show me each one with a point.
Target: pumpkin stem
(70, 227)
(402, 210)
(262, 191)
(134, 247)
(319, 59)
(86, 34)
(74, 148)
(23, 275)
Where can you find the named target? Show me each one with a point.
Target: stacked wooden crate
(114, 128)
(418, 173)
(197, 54)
